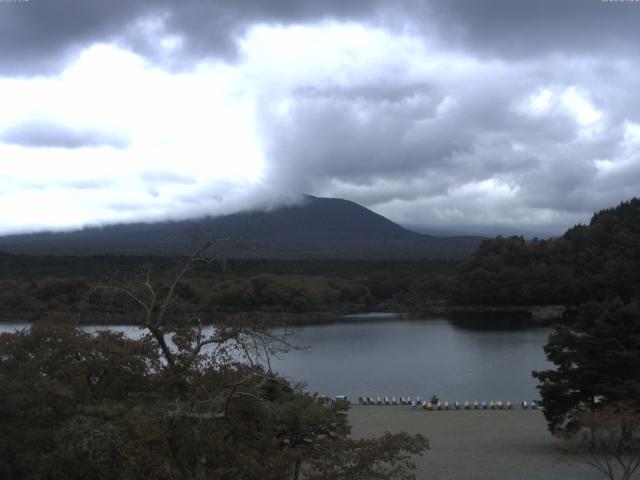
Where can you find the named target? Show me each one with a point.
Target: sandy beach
(477, 444)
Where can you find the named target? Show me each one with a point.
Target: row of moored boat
(456, 405)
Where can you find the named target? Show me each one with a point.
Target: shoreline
(479, 315)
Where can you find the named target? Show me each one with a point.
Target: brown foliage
(184, 402)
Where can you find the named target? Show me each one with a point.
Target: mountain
(316, 228)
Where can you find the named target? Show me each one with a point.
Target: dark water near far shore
(394, 356)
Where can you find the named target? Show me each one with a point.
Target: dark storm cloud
(40, 134)
(529, 28)
(467, 147)
(446, 133)
(360, 138)
(38, 36)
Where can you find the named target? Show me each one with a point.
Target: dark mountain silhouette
(316, 228)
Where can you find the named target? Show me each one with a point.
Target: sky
(487, 116)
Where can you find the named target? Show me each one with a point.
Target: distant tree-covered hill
(589, 262)
(316, 228)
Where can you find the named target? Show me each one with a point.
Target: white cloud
(421, 131)
(195, 125)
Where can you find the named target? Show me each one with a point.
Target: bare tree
(186, 341)
(217, 374)
(611, 441)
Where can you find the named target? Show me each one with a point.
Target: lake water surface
(393, 356)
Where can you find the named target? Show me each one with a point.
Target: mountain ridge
(315, 228)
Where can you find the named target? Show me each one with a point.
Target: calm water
(399, 357)
(417, 357)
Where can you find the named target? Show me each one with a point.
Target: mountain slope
(317, 228)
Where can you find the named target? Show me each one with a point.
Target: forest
(32, 285)
(104, 406)
(589, 262)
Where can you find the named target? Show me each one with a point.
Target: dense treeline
(32, 287)
(588, 262)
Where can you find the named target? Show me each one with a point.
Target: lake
(394, 356)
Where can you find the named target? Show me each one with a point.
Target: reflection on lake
(394, 356)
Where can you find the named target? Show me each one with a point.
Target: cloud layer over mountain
(476, 114)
